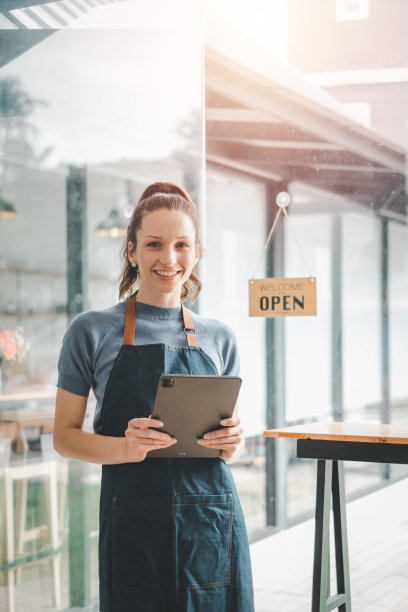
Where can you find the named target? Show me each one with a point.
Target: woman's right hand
(141, 439)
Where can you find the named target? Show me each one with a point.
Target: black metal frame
(372, 452)
(275, 454)
(330, 488)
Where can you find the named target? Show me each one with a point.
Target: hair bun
(162, 187)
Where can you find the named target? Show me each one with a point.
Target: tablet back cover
(189, 407)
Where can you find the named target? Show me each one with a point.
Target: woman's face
(166, 253)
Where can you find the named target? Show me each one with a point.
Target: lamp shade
(113, 226)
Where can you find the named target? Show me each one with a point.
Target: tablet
(189, 407)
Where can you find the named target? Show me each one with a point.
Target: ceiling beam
(282, 154)
(239, 115)
(250, 89)
(241, 167)
(336, 179)
(257, 130)
(12, 5)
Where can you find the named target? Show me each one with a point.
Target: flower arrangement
(11, 346)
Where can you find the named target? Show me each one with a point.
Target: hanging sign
(282, 297)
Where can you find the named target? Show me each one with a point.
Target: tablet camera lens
(168, 382)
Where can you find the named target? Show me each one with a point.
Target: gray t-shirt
(94, 338)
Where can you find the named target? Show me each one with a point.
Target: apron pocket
(180, 542)
(202, 540)
(142, 543)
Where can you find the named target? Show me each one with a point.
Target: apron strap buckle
(191, 337)
(189, 327)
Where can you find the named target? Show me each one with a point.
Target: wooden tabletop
(28, 395)
(25, 415)
(345, 432)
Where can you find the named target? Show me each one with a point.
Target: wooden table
(15, 423)
(331, 444)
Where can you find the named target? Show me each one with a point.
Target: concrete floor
(378, 552)
(282, 563)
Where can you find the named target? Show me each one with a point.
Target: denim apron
(172, 533)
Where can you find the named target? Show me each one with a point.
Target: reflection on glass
(233, 242)
(89, 114)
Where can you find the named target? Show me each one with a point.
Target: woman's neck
(159, 299)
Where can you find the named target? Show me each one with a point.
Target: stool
(15, 534)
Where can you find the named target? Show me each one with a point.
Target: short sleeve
(230, 355)
(219, 342)
(75, 364)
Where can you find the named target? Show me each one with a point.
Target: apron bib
(172, 533)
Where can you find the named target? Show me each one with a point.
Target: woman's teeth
(163, 273)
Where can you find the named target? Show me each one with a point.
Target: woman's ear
(197, 253)
(131, 247)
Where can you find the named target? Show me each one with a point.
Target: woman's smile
(167, 275)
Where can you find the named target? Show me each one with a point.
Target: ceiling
(274, 133)
(45, 14)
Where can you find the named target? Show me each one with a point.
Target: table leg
(330, 484)
(321, 585)
(340, 535)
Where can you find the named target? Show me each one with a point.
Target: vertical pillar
(79, 537)
(337, 324)
(76, 241)
(275, 378)
(79, 555)
(194, 182)
(385, 338)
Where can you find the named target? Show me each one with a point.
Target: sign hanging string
(267, 243)
(281, 208)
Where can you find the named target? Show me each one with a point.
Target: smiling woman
(172, 533)
(162, 247)
(164, 252)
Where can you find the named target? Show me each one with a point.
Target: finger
(231, 421)
(148, 434)
(221, 433)
(157, 447)
(138, 423)
(220, 442)
(149, 444)
(149, 417)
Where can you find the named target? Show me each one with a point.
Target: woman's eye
(183, 245)
(154, 244)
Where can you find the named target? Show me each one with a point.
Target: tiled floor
(378, 551)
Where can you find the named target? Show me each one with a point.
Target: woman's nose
(168, 256)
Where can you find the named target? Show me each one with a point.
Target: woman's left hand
(229, 439)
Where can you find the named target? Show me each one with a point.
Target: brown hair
(155, 197)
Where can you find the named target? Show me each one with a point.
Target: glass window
(234, 239)
(326, 124)
(90, 114)
(398, 298)
(361, 312)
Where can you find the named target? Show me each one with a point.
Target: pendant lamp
(7, 210)
(113, 226)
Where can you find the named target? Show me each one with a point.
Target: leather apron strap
(130, 317)
(189, 327)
